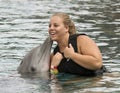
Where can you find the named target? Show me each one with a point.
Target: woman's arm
(55, 59)
(88, 55)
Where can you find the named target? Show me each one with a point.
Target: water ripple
(24, 25)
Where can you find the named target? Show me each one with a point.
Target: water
(24, 25)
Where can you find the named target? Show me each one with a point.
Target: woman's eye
(56, 25)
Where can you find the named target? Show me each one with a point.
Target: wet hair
(67, 22)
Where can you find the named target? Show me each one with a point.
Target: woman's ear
(67, 28)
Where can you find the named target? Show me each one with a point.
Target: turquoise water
(24, 25)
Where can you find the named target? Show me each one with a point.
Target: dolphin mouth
(38, 59)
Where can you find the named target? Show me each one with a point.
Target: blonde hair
(67, 22)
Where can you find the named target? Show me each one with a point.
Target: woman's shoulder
(83, 38)
(87, 43)
(77, 34)
(74, 36)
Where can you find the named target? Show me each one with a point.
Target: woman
(74, 53)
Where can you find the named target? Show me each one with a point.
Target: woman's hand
(56, 59)
(69, 51)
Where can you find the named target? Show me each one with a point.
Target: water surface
(24, 25)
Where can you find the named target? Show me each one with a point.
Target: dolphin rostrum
(38, 59)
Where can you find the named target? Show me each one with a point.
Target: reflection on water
(24, 24)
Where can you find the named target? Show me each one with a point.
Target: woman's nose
(51, 27)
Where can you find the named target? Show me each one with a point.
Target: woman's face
(57, 29)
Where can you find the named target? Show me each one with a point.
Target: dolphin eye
(33, 69)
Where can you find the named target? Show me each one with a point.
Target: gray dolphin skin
(38, 59)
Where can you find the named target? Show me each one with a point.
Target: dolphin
(38, 59)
